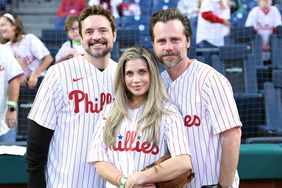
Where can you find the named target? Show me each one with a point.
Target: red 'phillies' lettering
(1, 68)
(129, 139)
(79, 96)
(30, 59)
(189, 121)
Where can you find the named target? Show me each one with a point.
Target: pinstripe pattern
(131, 153)
(69, 101)
(205, 99)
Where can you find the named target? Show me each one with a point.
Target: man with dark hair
(67, 106)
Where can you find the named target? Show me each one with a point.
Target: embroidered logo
(76, 79)
(190, 120)
(82, 99)
(131, 142)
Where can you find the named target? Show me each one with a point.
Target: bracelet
(123, 181)
(12, 103)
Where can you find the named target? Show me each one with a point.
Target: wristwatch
(122, 182)
(11, 108)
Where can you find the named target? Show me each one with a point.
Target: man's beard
(170, 64)
(100, 53)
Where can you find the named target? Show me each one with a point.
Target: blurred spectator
(73, 46)
(107, 4)
(213, 23)
(129, 9)
(30, 52)
(264, 18)
(189, 8)
(71, 7)
(68, 8)
(10, 71)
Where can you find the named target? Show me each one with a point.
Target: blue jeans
(9, 136)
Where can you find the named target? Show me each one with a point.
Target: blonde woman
(140, 126)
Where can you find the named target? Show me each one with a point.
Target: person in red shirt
(68, 8)
(71, 7)
(213, 23)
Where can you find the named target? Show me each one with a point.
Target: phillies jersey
(69, 101)
(30, 49)
(205, 100)
(66, 46)
(264, 23)
(133, 151)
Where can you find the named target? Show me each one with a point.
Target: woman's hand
(135, 181)
(32, 81)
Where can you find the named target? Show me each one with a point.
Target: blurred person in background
(189, 8)
(264, 18)
(10, 72)
(213, 23)
(73, 46)
(111, 5)
(68, 8)
(31, 53)
(71, 7)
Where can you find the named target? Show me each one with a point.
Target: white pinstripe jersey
(214, 33)
(69, 101)
(30, 49)
(264, 22)
(133, 152)
(205, 100)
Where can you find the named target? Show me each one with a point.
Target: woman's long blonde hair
(153, 104)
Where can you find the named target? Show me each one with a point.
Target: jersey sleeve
(251, 19)
(221, 104)
(38, 49)
(12, 67)
(98, 149)
(48, 100)
(175, 132)
(62, 50)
